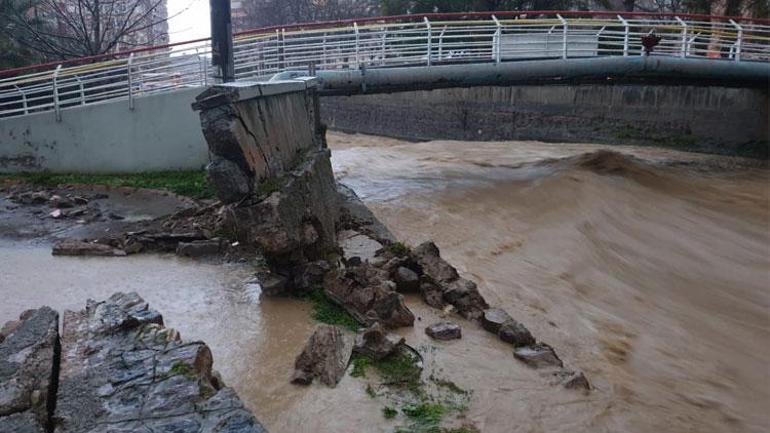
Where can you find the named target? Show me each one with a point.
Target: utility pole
(222, 40)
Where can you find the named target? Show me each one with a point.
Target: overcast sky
(189, 19)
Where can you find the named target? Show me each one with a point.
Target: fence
(404, 41)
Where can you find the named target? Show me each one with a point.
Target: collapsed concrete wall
(713, 119)
(271, 167)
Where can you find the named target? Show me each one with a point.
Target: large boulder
(516, 334)
(325, 356)
(366, 293)
(494, 318)
(539, 355)
(121, 367)
(29, 348)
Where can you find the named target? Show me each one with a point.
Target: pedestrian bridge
(131, 111)
(386, 54)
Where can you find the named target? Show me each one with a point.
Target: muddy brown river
(646, 268)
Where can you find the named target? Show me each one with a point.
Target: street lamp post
(222, 40)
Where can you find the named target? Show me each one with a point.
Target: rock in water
(366, 293)
(406, 280)
(577, 381)
(199, 248)
(446, 285)
(325, 356)
(538, 356)
(120, 367)
(444, 331)
(428, 256)
(79, 248)
(376, 343)
(28, 351)
(493, 319)
(515, 333)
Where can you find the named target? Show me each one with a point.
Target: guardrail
(414, 40)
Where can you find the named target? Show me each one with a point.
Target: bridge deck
(422, 43)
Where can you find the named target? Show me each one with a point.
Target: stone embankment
(115, 368)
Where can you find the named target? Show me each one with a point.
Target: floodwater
(649, 272)
(648, 269)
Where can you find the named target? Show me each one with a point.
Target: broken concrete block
(515, 333)
(493, 319)
(325, 356)
(444, 331)
(376, 343)
(538, 356)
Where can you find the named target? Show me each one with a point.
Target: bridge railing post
(441, 43)
(23, 99)
(323, 52)
(384, 44)
(82, 91)
(566, 29)
(497, 40)
(358, 60)
(683, 52)
(56, 108)
(626, 32)
(430, 40)
(130, 81)
(738, 40)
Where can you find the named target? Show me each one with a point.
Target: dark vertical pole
(222, 39)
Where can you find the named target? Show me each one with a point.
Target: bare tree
(260, 13)
(73, 28)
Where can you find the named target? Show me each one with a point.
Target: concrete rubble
(376, 343)
(325, 356)
(444, 331)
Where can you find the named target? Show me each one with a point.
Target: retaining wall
(161, 133)
(714, 119)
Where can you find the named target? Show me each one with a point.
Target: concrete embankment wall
(714, 119)
(161, 133)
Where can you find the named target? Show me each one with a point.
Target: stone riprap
(123, 371)
(29, 348)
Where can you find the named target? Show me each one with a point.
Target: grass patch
(425, 413)
(448, 384)
(180, 368)
(398, 248)
(191, 183)
(389, 413)
(326, 311)
(463, 429)
(370, 391)
(360, 364)
(399, 369)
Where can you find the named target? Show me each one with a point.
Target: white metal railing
(384, 42)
